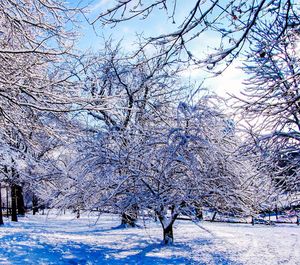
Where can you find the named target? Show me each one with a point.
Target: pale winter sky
(158, 23)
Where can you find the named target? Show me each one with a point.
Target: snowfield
(63, 239)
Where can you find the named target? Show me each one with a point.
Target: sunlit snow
(63, 239)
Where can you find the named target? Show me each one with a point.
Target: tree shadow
(30, 247)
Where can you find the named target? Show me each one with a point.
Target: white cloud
(230, 81)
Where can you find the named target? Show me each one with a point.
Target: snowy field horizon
(63, 239)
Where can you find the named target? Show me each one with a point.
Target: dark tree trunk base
(168, 235)
(35, 208)
(128, 220)
(20, 200)
(14, 216)
(1, 216)
(199, 214)
(214, 217)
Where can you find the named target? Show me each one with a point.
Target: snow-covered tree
(136, 85)
(270, 100)
(139, 89)
(194, 164)
(169, 167)
(37, 78)
(233, 22)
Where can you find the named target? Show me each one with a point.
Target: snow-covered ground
(64, 239)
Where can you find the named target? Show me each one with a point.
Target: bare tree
(232, 21)
(137, 85)
(194, 164)
(270, 100)
(169, 167)
(37, 27)
(39, 81)
(140, 88)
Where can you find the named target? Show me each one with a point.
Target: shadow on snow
(32, 247)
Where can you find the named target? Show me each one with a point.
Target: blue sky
(158, 23)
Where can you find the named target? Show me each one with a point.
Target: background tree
(37, 79)
(270, 100)
(139, 88)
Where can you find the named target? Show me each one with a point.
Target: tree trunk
(128, 219)
(214, 217)
(199, 213)
(7, 204)
(155, 217)
(14, 216)
(198, 210)
(35, 208)
(1, 217)
(168, 235)
(20, 200)
(130, 216)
